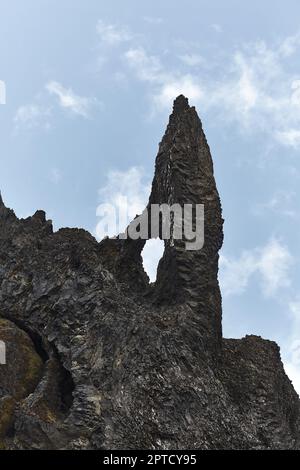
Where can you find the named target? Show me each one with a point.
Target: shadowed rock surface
(113, 362)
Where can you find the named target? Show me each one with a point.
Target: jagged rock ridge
(110, 361)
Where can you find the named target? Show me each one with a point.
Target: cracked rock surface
(99, 358)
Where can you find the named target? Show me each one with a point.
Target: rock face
(109, 361)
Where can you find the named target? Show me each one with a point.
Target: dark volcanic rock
(118, 363)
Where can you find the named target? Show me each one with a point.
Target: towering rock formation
(114, 362)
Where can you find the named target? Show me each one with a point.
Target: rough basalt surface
(98, 358)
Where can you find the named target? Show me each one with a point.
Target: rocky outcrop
(120, 363)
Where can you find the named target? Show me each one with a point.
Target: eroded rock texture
(97, 358)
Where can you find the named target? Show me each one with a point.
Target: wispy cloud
(32, 116)
(67, 99)
(289, 138)
(254, 88)
(193, 59)
(185, 84)
(128, 192)
(40, 113)
(281, 203)
(271, 262)
(289, 45)
(113, 34)
(149, 68)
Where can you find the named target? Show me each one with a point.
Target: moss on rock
(19, 376)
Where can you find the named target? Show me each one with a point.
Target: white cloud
(31, 116)
(235, 274)
(128, 192)
(192, 60)
(185, 85)
(259, 94)
(247, 91)
(167, 86)
(253, 88)
(148, 68)
(289, 45)
(289, 138)
(112, 34)
(271, 263)
(67, 99)
(37, 115)
(125, 191)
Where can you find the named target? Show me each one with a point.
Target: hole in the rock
(151, 254)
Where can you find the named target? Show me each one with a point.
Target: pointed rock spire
(184, 175)
(181, 103)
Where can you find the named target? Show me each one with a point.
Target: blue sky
(89, 90)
